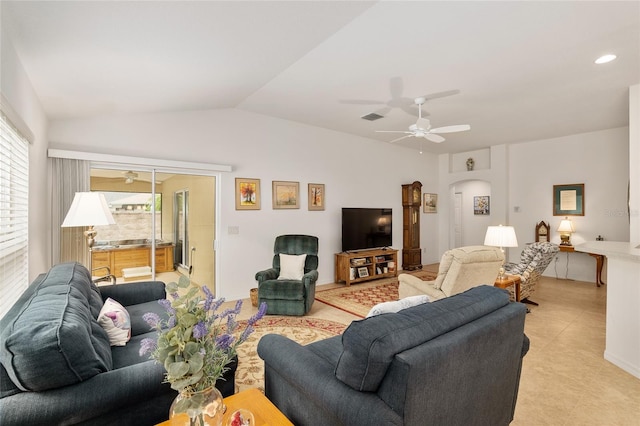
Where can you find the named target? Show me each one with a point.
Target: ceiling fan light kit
(422, 127)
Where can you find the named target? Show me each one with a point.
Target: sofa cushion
(291, 266)
(397, 305)
(370, 345)
(56, 329)
(115, 320)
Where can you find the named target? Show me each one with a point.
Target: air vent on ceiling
(372, 116)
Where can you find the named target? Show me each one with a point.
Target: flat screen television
(366, 228)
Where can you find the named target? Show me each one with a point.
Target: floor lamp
(501, 236)
(88, 209)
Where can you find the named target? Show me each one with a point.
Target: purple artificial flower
(152, 319)
(224, 341)
(171, 322)
(246, 332)
(167, 305)
(208, 301)
(147, 345)
(262, 310)
(200, 330)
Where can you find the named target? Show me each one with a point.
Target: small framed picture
(568, 200)
(481, 205)
(316, 196)
(286, 195)
(430, 203)
(247, 194)
(363, 272)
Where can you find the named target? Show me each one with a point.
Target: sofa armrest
(267, 274)
(91, 399)
(303, 385)
(134, 293)
(411, 285)
(310, 277)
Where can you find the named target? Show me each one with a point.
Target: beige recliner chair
(460, 269)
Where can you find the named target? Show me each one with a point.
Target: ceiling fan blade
(451, 129)
(441, 94)
(400, 138)
(434, 138)
(394, 131)
(395, 87)
(412, 110)
(361, 102)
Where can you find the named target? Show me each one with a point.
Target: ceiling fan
(397, 100)
(422, 128)
(129, 177)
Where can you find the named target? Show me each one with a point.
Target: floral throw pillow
(115, 320)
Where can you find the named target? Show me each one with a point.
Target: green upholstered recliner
(290, 296)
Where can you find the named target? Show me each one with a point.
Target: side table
(264, 412)
(508, 281)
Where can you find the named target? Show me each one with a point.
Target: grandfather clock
(411, 202)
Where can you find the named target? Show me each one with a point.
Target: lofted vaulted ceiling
(524, 70)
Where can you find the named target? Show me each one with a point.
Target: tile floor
(565, 379)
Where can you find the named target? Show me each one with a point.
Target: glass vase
(203, 408)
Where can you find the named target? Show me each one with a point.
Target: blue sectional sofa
(57, 365)
(456, 361)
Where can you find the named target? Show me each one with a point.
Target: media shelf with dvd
(365, 265)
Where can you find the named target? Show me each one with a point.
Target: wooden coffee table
(264, 412)
(508, 281)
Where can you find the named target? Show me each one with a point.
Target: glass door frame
(175, 170)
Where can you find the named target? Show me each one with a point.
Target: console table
(599, 261)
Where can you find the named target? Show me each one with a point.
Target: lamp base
(565, 240)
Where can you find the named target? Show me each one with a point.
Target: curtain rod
(140, 161)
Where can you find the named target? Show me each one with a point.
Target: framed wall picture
(363, 272)
(247, 194)
(481, 205)
(316, 196)
(430, 203)
(568, 200)
(286, 195)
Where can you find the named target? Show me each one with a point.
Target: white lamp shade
(88, 209)
(566, 226)
(501, 236)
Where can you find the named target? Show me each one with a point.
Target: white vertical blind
(14, 214)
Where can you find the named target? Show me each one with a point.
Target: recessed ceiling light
(605, 58)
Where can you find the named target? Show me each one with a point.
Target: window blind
(14, 214)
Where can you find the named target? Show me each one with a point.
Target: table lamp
(88, 209)
(565, 229)
(501, 236)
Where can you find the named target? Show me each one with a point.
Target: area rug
(304, 330)
(358, 299)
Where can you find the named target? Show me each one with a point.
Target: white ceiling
(524, 70)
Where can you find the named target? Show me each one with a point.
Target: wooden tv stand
(365, 265)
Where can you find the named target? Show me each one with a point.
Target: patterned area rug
(250, 372)
(358, 299)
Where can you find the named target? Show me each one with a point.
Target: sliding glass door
(164, 227)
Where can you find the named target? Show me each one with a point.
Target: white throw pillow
(292, 266)
(398, 305)
(115, 320)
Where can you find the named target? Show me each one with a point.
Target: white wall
(597, 159)
(634, 164)
(19, 94)
(357, 172)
